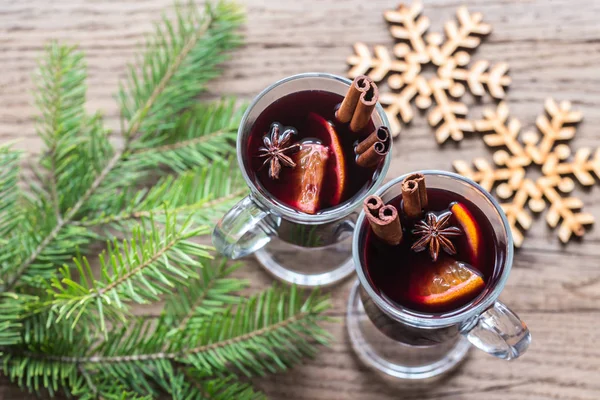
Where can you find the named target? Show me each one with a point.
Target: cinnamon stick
(360, 85)
(364, 109)
(372, 204)
(414, 195)
(381, 134)
(373, 155)
(386, 224)
(420, 179)
(358, 104)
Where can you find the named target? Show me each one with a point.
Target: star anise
(435, 233)
(274, 149)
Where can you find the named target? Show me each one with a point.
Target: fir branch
(37, 224)
(166, 91)
(227, 388)
(57, 229)
(195, 386)
(76, 144)
(212, 293)
(178, 60)
(60, 97)
(198, 207)
(158, 89)
(107, 388)
(93, 388)
(186, 383)
(203, 194)
(77, 336)
(203, 134)
(37, 374)
(13, 309)
(153, 262)
(180, 145)
(268, 322)
(9, 191)
(270, 332)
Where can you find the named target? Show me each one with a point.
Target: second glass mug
(307, 250)
(401, 343)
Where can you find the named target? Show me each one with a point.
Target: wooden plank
(553, 50)
(550, 370)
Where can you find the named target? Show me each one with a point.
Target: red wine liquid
(294, 110)
(392, 270)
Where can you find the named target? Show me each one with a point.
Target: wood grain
(553, 48)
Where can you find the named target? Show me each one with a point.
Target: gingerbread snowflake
(404, 68)
(521, 195)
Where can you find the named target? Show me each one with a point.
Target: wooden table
(553, 48)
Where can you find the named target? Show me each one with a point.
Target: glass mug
(307, 250)
(403, 343)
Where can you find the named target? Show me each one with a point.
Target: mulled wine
(445, 255)
(305, 157)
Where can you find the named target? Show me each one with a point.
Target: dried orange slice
(307, 177)
(319, 128)
(471, 229)
(445, 284)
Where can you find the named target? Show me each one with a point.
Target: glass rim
(289, 214)
(440, 322)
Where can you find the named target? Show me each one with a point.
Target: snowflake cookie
(417, 49)
(516, 190)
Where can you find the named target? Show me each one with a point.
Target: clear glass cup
(416, 347)
(307, 250)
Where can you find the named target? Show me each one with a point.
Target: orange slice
(445, 284)
(319, 128)
(471, 229)
(307, 176)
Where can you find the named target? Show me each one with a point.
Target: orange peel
(445, 284)
(470, 228)
(326, 133)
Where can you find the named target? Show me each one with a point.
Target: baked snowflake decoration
(520, 152)
(403, 69)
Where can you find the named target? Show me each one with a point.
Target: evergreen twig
(65, 322)
(184, 48)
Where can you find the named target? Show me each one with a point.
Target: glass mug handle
(499, 332)
(243, 230)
